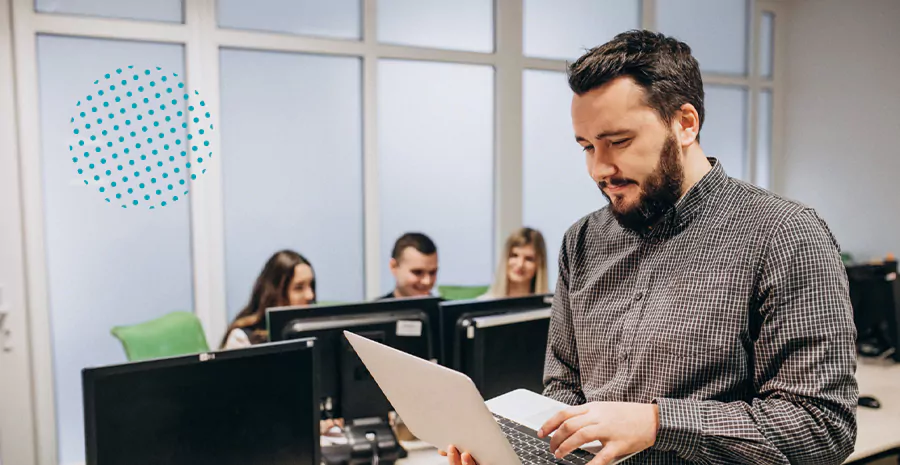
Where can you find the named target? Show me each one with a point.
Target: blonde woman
(522, 269)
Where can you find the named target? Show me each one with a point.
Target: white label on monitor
(409, 328)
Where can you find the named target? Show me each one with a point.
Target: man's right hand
(455, 458)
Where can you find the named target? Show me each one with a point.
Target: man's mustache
(615, 182)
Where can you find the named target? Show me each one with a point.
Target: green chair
(846, 258)
(177, 333)
(461, 292)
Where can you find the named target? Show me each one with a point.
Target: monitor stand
(369, 442)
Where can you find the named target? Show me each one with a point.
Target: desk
(878, 430)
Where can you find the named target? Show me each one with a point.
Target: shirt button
(638, 296)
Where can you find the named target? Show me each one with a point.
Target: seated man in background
(414, 264)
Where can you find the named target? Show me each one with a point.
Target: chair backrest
(461, 292)
(177, 333)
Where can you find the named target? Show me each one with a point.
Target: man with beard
(697, 318)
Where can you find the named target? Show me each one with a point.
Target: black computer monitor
(875, 296)
(500, 344)
(347, 389)
(253, 405)
(453, 312)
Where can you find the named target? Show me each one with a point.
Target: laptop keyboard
(533, 450)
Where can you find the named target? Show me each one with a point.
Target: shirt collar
(691, 205)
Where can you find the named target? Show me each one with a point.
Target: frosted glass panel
(557, 189)
(716, 31)
(457, 25)
(436, 164)
(332, 18)
(764, 140)
(723, 135)
(292, 160)
(106, 265)
(766, 44)
(155, 10)
(565, 29)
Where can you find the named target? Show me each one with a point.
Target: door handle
(4, 334)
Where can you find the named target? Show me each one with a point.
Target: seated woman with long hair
(522, 268)
(286, 280)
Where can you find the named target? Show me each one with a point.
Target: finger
(567, 429)
(442, 453)
(467, 459)
(453, 455)
(606, 456)
(553, 423)
(584, 435)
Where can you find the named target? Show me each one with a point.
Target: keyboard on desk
(533, 450)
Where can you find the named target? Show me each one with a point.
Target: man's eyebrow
(604, 135)
(617, 132)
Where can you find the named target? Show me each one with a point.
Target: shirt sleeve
(562, 380)
(237, 339)
(804, 364)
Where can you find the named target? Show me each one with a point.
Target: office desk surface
(878, 429)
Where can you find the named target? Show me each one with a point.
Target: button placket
(635, 307)
(642, 287)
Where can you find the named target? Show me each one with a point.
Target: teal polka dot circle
(149, 121)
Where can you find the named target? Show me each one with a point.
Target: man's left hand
(623, 428)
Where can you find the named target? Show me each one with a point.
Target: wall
(841, 146)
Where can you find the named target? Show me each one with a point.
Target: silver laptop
(443, 407)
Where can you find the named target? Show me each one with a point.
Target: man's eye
(588, 148)
(620, 142)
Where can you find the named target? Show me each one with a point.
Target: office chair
(461, 292)
(177, 333)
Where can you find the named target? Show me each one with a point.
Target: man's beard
(659, 192)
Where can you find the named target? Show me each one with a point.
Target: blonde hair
(519, 238)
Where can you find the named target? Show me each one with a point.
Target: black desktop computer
(875, 296)
(346, 388)
(234, 407)
(500, 344)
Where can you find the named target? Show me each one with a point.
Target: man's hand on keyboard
(455, 458)
(623, 428)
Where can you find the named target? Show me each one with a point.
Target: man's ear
(686, 125)
(393, 264)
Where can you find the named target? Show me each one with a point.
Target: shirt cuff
(680, 427)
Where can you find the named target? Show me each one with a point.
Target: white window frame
(202, 39)
(17, 434)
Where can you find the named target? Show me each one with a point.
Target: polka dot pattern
(140, 125)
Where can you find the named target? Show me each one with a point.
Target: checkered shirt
(732, 314)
